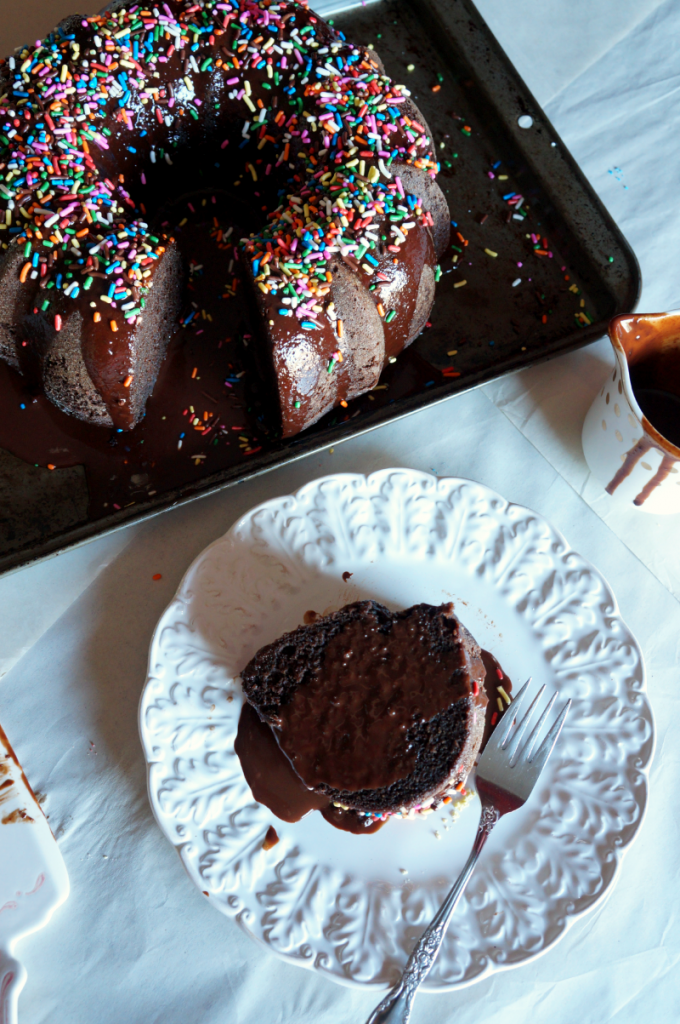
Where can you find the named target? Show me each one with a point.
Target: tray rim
(455, 11)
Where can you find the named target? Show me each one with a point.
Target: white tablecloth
(136, 942)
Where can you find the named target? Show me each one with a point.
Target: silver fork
(505, 776)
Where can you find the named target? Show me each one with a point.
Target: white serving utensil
(33, 876)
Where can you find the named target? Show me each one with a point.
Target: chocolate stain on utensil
(18, 815)
(6, 788)
(275, 783)
(14, 816)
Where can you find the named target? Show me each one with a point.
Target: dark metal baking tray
(577, 270)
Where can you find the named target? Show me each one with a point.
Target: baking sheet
(576, 269)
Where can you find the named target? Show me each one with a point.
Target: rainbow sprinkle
(330, 121)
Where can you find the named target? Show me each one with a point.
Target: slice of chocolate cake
(378, 711)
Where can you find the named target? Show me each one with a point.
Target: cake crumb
(271, 839)
(456, 808)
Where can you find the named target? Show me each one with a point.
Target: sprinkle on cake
(104, 92)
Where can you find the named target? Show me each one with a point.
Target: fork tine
(498, 742)
(530, 744)
(524, 724)
(545, 749)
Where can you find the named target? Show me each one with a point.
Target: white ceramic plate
(351, 906)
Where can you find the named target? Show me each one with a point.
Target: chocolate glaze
(371, 691)
(300, 359)
(349, 652)
(120, 468)
(495, 677)
(464, 320)
(111, 357)
(268, 771)
(350, 821)
(275, 784)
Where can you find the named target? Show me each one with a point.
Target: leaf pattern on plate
(252, 585)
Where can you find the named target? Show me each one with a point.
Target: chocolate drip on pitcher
(631, 460)
(644, 445)
(662, 472)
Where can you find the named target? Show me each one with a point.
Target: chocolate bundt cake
(343, 273)
(378, 711)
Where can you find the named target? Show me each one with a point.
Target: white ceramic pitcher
(623, 449)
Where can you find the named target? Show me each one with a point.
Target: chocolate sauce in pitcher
(656, 386)
(651, 346)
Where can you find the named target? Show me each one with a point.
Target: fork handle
(396, 1006)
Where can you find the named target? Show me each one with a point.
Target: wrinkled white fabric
(621, 115)
(136, 942)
